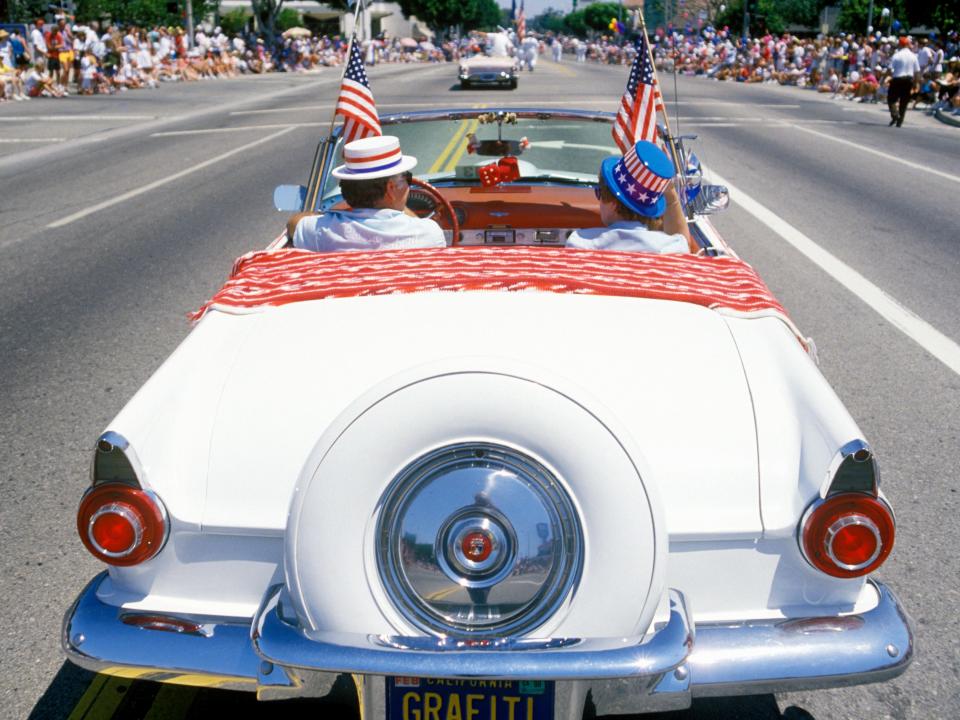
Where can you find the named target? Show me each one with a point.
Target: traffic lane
(861, 208)
(84, 326)
(926, 141)
(88, 174)
(906, 403)
(96, 118)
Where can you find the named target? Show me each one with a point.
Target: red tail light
(847, 535)
(121, 524)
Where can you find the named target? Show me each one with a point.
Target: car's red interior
(515, 206)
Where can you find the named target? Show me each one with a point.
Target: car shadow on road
(63, 694)
(748, 707)
(78, 693)
(457, 88)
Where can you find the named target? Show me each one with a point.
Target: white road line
(902, 318)
(32, 140)
(163, 181)
(213, 131)
(269, 111)
(74, 118)
(885, 156)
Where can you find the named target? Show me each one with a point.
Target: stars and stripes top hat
(373, 157)
(639, 178)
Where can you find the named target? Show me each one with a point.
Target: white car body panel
(648, 380)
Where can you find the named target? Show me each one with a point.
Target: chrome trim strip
(110, 441)
(283, 643)
(852, 469)
(803, 654)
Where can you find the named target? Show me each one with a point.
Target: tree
(597, 15)
(575, 23)
(440, 14)
(550, 20)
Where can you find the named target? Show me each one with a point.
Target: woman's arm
(674, 219)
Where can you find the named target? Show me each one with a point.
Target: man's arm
(674, 219)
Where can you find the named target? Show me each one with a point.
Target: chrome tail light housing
(478, 540)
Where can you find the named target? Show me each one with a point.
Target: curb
(947, 117)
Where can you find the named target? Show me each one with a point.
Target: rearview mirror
(289, 198)
(712, 199)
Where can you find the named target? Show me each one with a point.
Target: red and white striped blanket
(271, 278)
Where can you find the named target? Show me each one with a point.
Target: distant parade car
(486, 70)
(502, 478)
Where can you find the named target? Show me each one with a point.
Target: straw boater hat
(373, 157)
(639, 178)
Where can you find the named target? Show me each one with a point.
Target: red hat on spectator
(904, 40)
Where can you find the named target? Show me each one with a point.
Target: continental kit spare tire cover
(476, 503)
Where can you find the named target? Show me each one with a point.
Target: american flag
(356, 103)
(637, 117)
(521, 22)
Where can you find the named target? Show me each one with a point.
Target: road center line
(886, 156)
(75, 118)
(163, 181)
(902, 318)
(32, 140)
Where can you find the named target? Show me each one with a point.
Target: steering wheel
(440, 200)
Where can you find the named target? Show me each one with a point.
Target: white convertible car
(502, 479)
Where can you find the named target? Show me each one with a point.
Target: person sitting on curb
(639, 206)
(375, 183)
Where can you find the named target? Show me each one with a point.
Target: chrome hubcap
(478, 538)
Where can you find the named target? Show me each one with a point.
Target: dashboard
(511, 214)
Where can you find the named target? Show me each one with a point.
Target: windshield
(550, 149)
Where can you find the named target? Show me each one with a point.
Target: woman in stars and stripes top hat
(639, 206)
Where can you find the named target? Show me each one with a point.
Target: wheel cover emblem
(477, 546)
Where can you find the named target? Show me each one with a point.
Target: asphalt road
(120, 214)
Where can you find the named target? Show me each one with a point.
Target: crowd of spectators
(63, 58)
(844, 66)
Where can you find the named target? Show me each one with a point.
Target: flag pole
(313, 186)
(678, 161)
(656, 80)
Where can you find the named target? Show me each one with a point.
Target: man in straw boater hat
(375, 183)
(639, 206)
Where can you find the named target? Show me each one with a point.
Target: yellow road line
(171, 703)
(438, 163)
(101, 699)
(563, 70)
(88, 698)
(441, 594)
(455, 157)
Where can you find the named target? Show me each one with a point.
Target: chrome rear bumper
(273, 656)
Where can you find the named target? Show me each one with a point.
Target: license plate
(410, 698)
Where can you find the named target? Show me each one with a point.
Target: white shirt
(366, 229)
(39, 43)
(904, 63)
(626, 235)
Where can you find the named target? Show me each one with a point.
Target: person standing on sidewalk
(905, 70)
